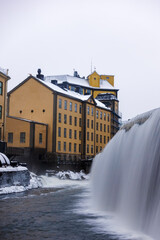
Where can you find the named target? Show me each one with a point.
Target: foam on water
(64, 179)
(34, 183)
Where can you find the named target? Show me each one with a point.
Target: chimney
(39, 75)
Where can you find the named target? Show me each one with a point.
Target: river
(58, 210)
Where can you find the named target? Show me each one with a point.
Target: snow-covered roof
(100, 104)
(4, 159)
(4, 71)
(104, 84)
(72, 93)
(58, 89)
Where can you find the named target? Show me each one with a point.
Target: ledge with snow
(15, 175)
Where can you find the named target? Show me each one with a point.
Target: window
(80, 108)
(100, 126)
(87, 123)
(0, 133)
(40, 138)
(64, 146)
(65, 104)
(88, 110)
(108, 117)
(75, 107)
(97, 114)
(65, 119)
(75, 134)
(70, 133)
(88, 136)
(92, 149)
(96, 149)
(22, 137)
(70, 120)
(59, 117)
(100, 148)
(104, 127)
(97, 138)
(0, 112)
(75, 121)
(92, 111)
(87, 148)
(59, 146)
(1, 88)
(91, 136)
(75, 147)
(60, 103)
(100, 115)
(104, 116)
(104, 139)
(80, 122)
(10, 137)
(92, 124)
(108, 128)
(65, 132)
(80, 135)
(107, 139)
(70, 106)
(59, 132)
(79, 147)
(70, 147)
(97, 126)
(100, 138)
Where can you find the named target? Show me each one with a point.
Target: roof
(104, 84)
(4, 72)
(27, 120)
(57, 89)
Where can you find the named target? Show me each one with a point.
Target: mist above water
(126, 175)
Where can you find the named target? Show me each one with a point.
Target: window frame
(22, 137)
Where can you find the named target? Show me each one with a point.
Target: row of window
(70, 133)
(89, 109)
(32, 111)
(69, 146)
(90, 136)
(80, 122)
(70, 120)
(99, 127)
(22, 137)
(70, 106)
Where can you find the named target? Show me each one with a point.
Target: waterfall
(125, 176)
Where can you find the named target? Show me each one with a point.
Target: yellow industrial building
(3, 102)
(44, 117)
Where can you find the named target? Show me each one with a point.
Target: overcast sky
(121, 38)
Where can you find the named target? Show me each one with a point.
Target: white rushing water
(126, 175)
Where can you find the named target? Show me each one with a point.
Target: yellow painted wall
(32, 95)
(16, 126)
(89, 130)
(98, 92)
(94, 79)
(62, 125)
(108, 78)
(102, 133)
(40, 129)
(3, 103)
